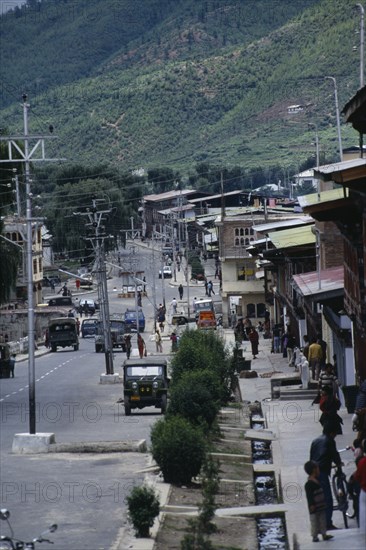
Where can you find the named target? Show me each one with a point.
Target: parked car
(50, 280)
(62, 333)
(65, 301)
(88, 306)
(130, 320)
(145, 383)
(86, 280)
(88, 327)
(167, 272)
(167, 251)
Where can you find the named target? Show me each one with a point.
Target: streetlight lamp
(362, 41)
(337, 115)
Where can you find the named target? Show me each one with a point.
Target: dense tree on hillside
(163, 179)
(72, 190)
(168, 83)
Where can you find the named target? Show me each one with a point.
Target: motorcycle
(12, 543)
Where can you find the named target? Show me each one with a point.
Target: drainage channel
(271, 530)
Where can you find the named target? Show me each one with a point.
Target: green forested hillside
(141, 83)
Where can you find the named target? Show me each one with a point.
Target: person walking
(12, 365)
(239, 332)
(210, 289)
(181, 291)
(247, 326)
(174, 341)
(161, 317)
(174, 304)
(158, 341)
(328, 378)
(323, 450)
(330, 405)
(315, 358)
(254, 341)
(128, 345)
(141, 346)
(290, 342)
(305, 349)
(276, 338)
(139, 299)
(316, 502)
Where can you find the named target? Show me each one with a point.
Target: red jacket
(360, 474)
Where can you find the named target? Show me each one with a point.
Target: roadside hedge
(179, 449)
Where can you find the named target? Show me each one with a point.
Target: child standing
(316, 502)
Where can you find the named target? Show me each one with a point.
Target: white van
(203, 304)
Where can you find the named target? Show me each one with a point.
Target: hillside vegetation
(142, 83)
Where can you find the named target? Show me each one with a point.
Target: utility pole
(154, 276)
(17, 194)
(187, 268)
(362, 43)
(133, 269)
(34, 151)
(340, 148)
(95, 218)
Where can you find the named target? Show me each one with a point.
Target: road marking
(44, 376)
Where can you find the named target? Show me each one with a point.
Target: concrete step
(290, 393)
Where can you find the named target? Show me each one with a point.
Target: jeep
(145, 384)
(62, 333)
(117, 328)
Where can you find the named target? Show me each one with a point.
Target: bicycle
(12, 543)
(341, 494)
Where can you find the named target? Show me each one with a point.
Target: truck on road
(62, 333)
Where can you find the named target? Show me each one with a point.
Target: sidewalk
(295, 424)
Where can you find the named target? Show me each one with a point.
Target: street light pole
(362, 41)
(337, 116)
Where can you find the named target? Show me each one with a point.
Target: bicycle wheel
(339, 486)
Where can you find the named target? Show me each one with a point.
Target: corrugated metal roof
(296, 236)
(324, 196)
(177, 209)
(283, 224)
(210, 197)
(330, 171)
(168, 195)
(331, 280)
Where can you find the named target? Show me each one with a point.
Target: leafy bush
(143, 507)
(208, 378)
(194, 402)
(179, 449)
(204, 350)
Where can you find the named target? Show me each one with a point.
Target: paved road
(83, 493)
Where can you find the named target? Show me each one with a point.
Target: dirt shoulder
(236, 488)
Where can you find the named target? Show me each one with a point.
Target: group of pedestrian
(209, 288)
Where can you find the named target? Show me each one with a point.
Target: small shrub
(143, 507)
(201, 527)
(179, 449)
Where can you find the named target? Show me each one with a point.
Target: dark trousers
(325, 483)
